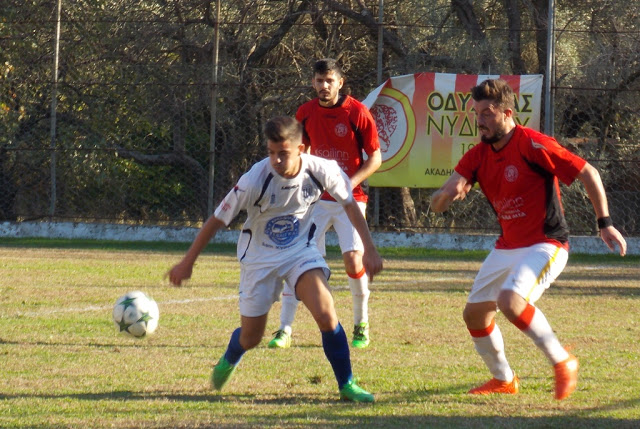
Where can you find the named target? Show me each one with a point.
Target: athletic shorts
(261, 287)
(330, 213)
(527, 271)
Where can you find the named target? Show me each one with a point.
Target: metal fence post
(376, 192)
(214, 110)
(54, 105)
(550, 70)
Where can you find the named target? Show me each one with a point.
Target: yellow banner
(425, 123)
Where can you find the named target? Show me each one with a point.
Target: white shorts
(527, 271)
(261, 287)
(330, 213)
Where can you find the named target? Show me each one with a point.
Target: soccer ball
(136, 314)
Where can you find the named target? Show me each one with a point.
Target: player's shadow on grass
(559, 288)
(116, 346)
(569, 418)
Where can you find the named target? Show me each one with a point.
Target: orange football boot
(566, 377)
(497, 386)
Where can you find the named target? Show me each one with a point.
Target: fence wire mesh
(127, 133)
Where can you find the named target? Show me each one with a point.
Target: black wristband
(604, 222)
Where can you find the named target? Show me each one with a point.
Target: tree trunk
(515, 31)
(541, 16)
(465, 13)
(409, 217)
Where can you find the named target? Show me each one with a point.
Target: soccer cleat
(566, 377)
(360, 335)
(497, 386)
(222, 373)
(281, 340)
(352, 392)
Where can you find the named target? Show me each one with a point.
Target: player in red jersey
(518, 169)
(340, 128)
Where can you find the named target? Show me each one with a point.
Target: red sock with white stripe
(359, 286)
(490, 346)
(535, 325)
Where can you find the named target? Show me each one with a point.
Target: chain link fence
(126, 133)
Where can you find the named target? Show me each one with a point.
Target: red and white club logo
(396, 126)
(511, 173)
(386, 124)
(341, 130)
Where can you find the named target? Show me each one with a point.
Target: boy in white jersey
(277, 248)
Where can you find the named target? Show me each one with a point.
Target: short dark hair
(326, 65)
(496, 90)
(283, 128)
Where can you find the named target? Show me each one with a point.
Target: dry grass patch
(63, 365)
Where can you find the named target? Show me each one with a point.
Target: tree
(134, 118)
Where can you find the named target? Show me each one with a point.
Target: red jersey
(341, 132)
(521, 183)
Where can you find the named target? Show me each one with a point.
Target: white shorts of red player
(527, 271)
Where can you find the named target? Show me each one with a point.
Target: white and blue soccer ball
(136, 314)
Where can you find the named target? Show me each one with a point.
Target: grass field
(63, 365)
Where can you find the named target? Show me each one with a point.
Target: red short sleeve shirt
(521, 183)
(341, 133)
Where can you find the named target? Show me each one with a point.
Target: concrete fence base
(119, 232)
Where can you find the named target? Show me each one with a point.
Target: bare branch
(365, 17)
(288, 22)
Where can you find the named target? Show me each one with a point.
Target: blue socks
(234, 349)
(336, 349)
(334, 343)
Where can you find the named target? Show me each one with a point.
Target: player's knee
(250, 341)
(478, 316)
(326, 322)
(352, 262)
(510, 304)
(468, 316)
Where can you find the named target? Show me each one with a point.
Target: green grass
(63, 365)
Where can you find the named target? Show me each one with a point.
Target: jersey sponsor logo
(509, 208)
(511, 173)
(341, 130)
(307, 262)
(282, 230)
(287, 187)
(332, 153)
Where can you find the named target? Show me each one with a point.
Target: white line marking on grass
(426, 280)
(110, 307)
(52, 311)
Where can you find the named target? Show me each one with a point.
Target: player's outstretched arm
(592, 182)
(455, 188)
(182, 270)
(370, 259)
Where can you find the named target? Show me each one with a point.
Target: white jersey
(279, 210)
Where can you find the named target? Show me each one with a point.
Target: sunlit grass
(63, 365)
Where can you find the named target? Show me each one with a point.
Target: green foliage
(135, 82)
